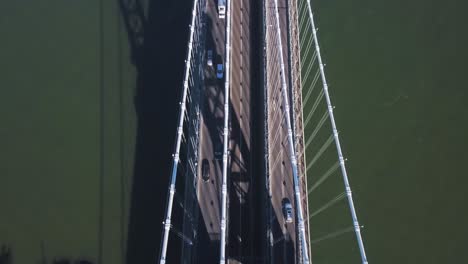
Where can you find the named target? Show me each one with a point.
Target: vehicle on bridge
(218, 152)
(287, 211)
(222, 8)
(219, 71)
(209, 59)
(205, 170)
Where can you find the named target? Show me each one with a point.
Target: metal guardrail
(297, 192)
(269, 235)
(190, 204)
(170, 200)
(337, 140)
(222, 259)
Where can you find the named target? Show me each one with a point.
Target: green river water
(68, 129)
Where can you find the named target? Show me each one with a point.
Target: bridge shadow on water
(6, 255)
(156, 42)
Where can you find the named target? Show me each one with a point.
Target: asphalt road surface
(246, 214)
(211, 142)
(243, 213)
(283, 241)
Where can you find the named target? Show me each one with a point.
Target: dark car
(287, 211)
(219, 151)
(205, 170)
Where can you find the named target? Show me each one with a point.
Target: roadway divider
(224, 224)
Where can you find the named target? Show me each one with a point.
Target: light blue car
(219, 71)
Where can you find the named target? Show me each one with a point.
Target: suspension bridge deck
(243, 207)
(245, 173)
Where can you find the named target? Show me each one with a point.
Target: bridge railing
(186, 144)
(224, 202)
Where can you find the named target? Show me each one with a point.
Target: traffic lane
(283, 18)
(283, 233)
(281, 173)
(241, 189)
(245, 121)
(283, 180)
(288, 181)
(211, 141)
(241, 67)
(241, 96)
(217, 32)
(208, 193)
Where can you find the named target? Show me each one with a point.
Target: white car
(209, 60)
(222, 9)
(219, 71)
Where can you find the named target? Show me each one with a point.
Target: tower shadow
(155, 41)
(6, 257)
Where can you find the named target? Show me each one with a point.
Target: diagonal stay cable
(329, 204)
(356, 225)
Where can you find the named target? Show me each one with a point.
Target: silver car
(209, 60)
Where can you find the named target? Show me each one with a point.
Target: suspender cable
(337, 141)
(302, 234)
(170, 199)
(222, 259)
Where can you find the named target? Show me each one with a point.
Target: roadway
(243, 207)
(246, 215)
(244, 183)
(283, 241)
(211, 142)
